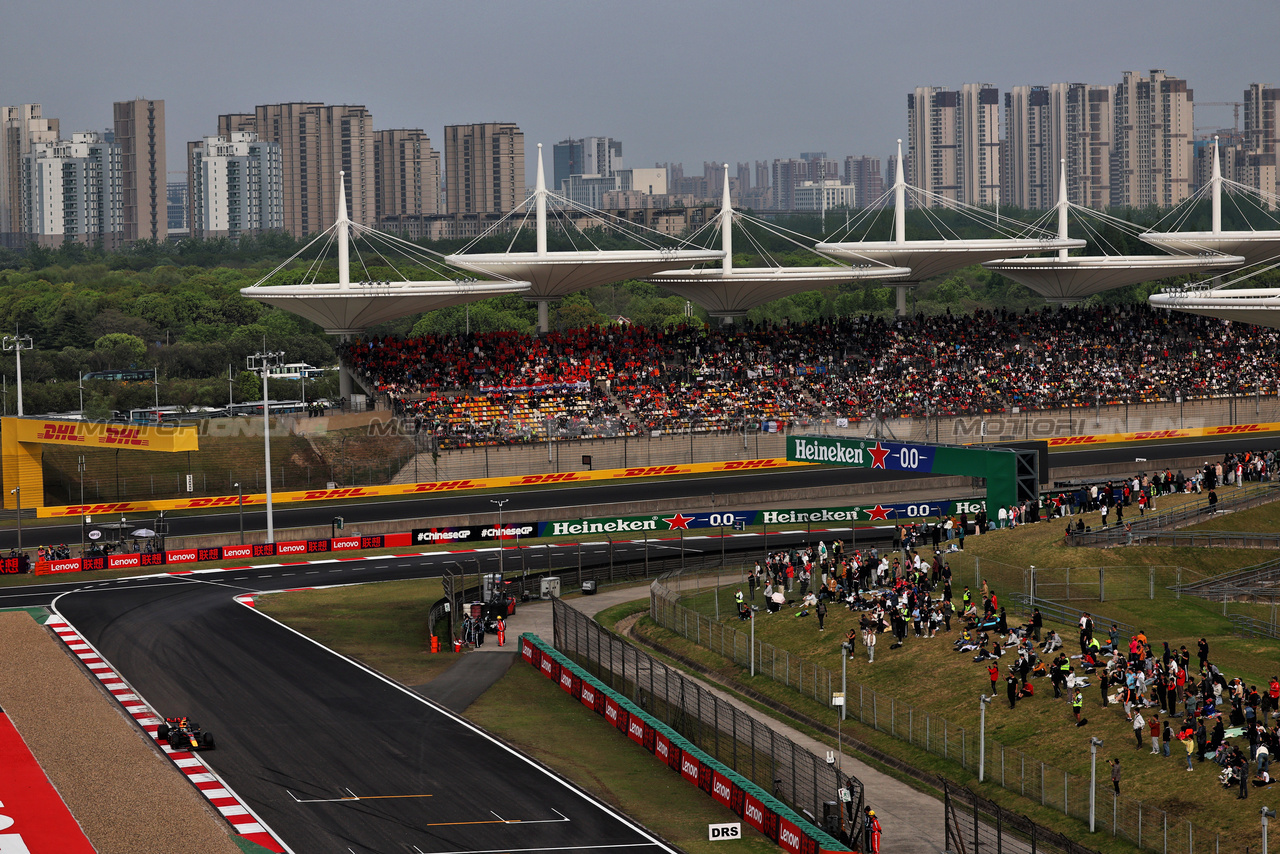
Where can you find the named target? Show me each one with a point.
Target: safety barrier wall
(179, 557)
(1143, 825)
(758, 808)
(702, 445)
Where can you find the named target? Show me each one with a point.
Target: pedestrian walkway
(912, 820)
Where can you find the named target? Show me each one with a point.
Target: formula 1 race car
(185, 734)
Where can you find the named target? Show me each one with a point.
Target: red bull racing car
(185, 734)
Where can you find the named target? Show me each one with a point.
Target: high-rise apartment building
(787, 175)
(1261, 117)
(317, 141)
(235, 186)
(139, 131)
(933, 142)
(863, 174)
(73, 191)
(1035, 136)
(1089, 134)
(744, 177)
(1152, 164)
(954, 143)
(980, 143)
(484, 165)
(21, 127)
(590, 157)
(179, 205)
(407, 171)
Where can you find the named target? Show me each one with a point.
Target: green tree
(119, 350)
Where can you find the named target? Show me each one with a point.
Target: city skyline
(753, 83)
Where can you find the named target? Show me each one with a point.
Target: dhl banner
(1150, 435)
(401, 489)
(95, 434)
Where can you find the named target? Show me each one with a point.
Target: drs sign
(716, 832)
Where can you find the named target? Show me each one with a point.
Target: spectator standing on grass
(821, 611)
(1139, 722)
(1166, 736)
(1011, 685)
(1115, 775)
(993, 671)
(1189, 744)
(1154, 726)
(1202, 652)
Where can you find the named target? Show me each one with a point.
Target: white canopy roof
(345, 309)
(554, 274)
(734, 293)
(1079, 276)
(1254, 247)
(930, 258)
(1259, 306)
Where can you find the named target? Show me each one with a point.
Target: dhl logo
(1159, 434)
(650, 471)
(349, 492)
(735, 465)
(1075, 440)
(1235, 428)
(60, 433)
(562, 477)
(95, 509)
(125, 436)
(444, 486)
(221, 501)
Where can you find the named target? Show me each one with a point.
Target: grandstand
(510, 388)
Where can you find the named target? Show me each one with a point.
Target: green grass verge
(530, 712)
(930, 679)
(383, 625)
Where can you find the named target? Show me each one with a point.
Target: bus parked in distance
(129, 376)
(295, 371)
(169, 414)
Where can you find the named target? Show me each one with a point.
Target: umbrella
(143, 532)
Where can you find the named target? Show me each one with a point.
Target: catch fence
(729, 734)
(1011, 768)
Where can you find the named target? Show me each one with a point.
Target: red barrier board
(721, 788)
(547, 665)
(611, 711)
(295, 547)
(394, 541)
(635, 730)
(344, 544)
(50, 567)
(123, 561)
(689, 768)
(566, 681)
(33, 819)
(789, 836)
(587, 695)
(526, 649)
(753, 813)
(235, 552)
(662, 749)
(182, 556)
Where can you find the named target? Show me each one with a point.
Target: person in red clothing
(871, 829)
(994, 672)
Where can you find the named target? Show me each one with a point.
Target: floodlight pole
(17, 343)
(263, 362)
(1094, 744)
(240, 504)
(16, 492)
(983, 699)
(500, 503)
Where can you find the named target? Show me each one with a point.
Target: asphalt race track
(542, 503)
(331, 756)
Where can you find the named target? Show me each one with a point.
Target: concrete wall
(709, 447)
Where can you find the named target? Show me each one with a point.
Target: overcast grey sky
(680, 81)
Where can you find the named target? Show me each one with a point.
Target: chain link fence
(729, 734)
(1007, 767)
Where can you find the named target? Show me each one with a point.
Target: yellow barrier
(399, 489)
(1148, 435)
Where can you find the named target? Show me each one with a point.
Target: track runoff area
(356, 724)
(33, 818)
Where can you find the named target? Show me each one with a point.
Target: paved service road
(331, 756)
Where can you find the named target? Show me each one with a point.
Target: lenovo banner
(52, 566)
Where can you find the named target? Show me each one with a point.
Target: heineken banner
(999, 466)
(636, 526)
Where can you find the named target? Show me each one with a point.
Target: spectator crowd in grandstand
(503, 387)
